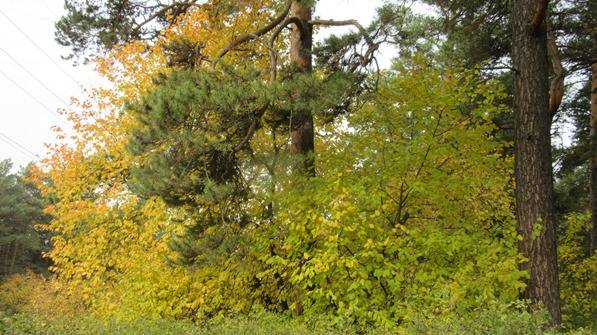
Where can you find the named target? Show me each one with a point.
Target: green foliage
(577, 272)
(511, 319)
(477, 31)
(195, 127)
(572, 180)
(92, 27)
(186, 204)
(192, 126)
(410, 211)
(257, 324)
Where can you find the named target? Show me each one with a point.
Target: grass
(484, 322)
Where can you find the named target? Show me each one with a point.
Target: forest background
(236, 175)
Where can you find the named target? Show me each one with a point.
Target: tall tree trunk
(301, 42)
(3, 260)
(301, 125)
(593, 142)
(535, 217)
(14, 257)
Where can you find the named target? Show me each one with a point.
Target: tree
(534, 185)
(593, 141)
(91, 27)
(301, 49)
(20, 210)
(126, 21)
(569, 45)
(411, 196)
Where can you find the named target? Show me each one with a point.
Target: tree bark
(301, 124)
(593, 157)
(535, 217)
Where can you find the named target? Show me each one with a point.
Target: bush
(32, 293)
(500, 320)
(23, 324)
(578, 287)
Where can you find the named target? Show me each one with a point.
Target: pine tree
(534, 187)
(20, 209)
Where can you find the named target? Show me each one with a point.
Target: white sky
(27, 121)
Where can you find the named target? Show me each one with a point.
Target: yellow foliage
(110, 248)
(578, 271)
(31, 293)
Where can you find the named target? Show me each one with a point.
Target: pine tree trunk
(301, 41)
(593, 159)
(3, 260)
(534, 186)
(14, 257)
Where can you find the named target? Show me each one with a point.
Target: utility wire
(17, 144)
(54, 113)
(35, 77)
(39, 48)
(48, 7)
(17, 147)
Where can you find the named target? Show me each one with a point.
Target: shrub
(34, 294)
(577, 273)
(500, 320)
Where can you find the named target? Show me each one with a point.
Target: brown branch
(556, 90)
(249, 37)
(335, 23)
(272, 52)
(162, 11)
(252, 129)
(247, 137)
(372, 46)
(539, 15)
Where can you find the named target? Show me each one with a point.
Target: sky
(35, 81)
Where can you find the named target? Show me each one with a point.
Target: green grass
(20, 324)
(485, 322)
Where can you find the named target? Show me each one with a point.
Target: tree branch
(166, 8)
(539, 15)
(372, 46)
(272, 52)
(335, 23)
(248, 37)
(556, 90)
(252, 128)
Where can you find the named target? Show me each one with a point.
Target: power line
(35, 77)
(54, 113)
(39, 48)
(17, 144)
(14, 144)
(48, 7)
(17, 148)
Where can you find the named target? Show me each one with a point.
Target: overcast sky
(35, 81)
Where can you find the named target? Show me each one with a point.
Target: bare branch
(249, 37)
